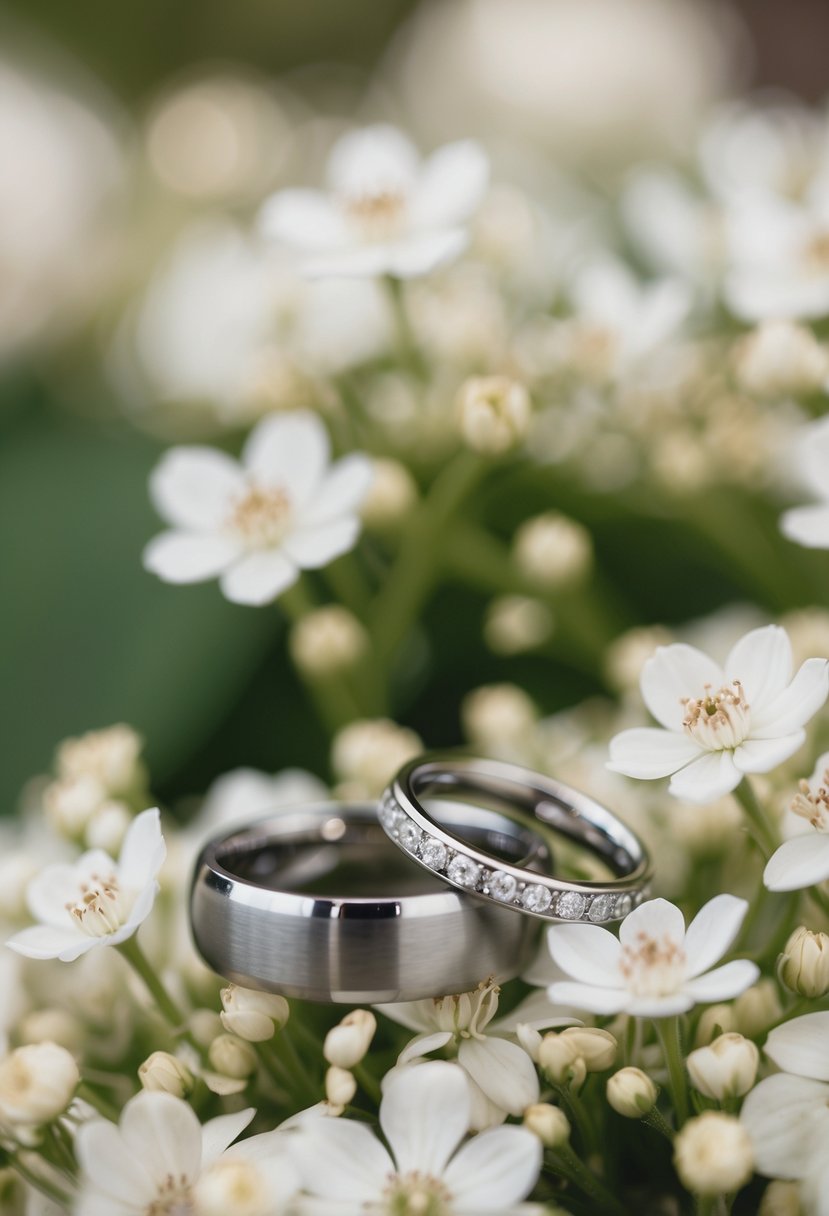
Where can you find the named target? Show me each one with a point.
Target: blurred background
(130, 138)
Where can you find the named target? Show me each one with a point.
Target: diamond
(463, 871)
(503, 886)
(602, 908)
(409, 835)
(390, 816)
(433, 853)
(536, 898)
(624, 903)
(570, 906)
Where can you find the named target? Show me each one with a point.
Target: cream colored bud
(252, 1015)
(37, 1083)
(727, 1068)
(780, 359)
(110, 756)
(340, 1086)
(71, 802)
(52, 1026)
(808, 630)
(493, 413)
(327, 640)
(232, 1056)
(107, 827)
(715, 1020)
(804, 964)
(631, 1093)
(549, 1123)
(515, 623)
(347, 1043)
(498, 715)
(163, 1073)
(713, 1154)
(552, 550)
(597, 1048)
(391, 495)
(627, 654)
(781, 1199)
(205, 1026)
(758, 1009)
(367, 753)
(559, 1059)
(238, 1185)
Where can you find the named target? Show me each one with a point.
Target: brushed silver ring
(433, 842)
(316, 903)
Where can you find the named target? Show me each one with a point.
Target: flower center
(376, 215)
(814, 807)
(816, 253)
(718, 720)
(468, 1013)
(174, 1197)
(262, 517)
(416, 1194)
(102, 908)
(653, 966)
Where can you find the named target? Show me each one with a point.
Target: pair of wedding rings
(435, 889)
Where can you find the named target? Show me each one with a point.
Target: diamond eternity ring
(316, 903)
(410, 811)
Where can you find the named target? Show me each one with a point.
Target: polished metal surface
(317, 903)
(411, 815)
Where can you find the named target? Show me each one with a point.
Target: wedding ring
(316, 903)
(433, 841)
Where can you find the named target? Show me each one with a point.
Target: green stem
(655, 1119)
(762, 829)
(139, 962)
(565, 1162)
(669, 1036)
(408, 351)
(290, 1056)
(45, 1185)
(577, 1113)
(368, 1083)
(820, 898)
(334, 701)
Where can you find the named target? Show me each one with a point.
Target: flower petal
(495, 1170)
(422, 1044)
(798, 863)
(587, 952)
(55, 886)
(258, 578)
(290, 451)
(536, 1011)
(712, 931)
(673, 674)
(357, 1165)
(426, 251)
(424, 1115)
(503, 1070)
(762, 662)
(807, 526)
(342, 491)
(452, 183)
(724, 982)
(319, 544)
(217, 1134)
(655, 918)
(659, 1006)
(165, 1133)
(793, 708)
(787, 1119)
(110, 1169)
(304, 219)
(189, 557)
(762, 755)
(588, 997)
(648, 752)
(45, 941)
(802, 1046)
(192, 488)
(143, 850)
(707, 778)
(371, 160)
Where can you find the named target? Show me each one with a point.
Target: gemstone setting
(464, 871)
(570, 905)
(601, 908)
(536, 898)
(503, 886)
(433, 853)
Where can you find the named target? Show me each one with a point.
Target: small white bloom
(327, 640)
(493, 413)
(631, 1093)
(655, 968)
(804, 964)
(96, 901)
(517, 623)
(499, 718)
(246, 793)
(424, 1115)
(780, 359)
(367, 753)
(232, 1057)
(164, 1073)
(549, 1123)
(112, 756)
(251, 1015)
(552, 550)
(347, 1043)
(809, 526)
(37, 1083)
(385, 211)
(720, 723)
(727, 1068)
(243, 1185)
(803, 860)
(758, 1008)
(713, 1154)
(391, 495)
(255, 525)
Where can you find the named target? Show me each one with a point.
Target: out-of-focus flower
(715, 1020)
(627, 654)
(367, 753)
(493, 413)
(424, 1115)
(515, 623)
(713, 1154)
(631, 1093)
(781, 1199)
(549, 1123)
(100, 779)
(810, 525)
(245, 793)
(499, 718)
(758, 1008)
(390, 497)
(246, 1182)
(96, 901)
(720, 723)
(327, 640)
(251, 1015)
(804, 964)
(37, 1083)
(255, 525)
(655, 968)
(232, 1057)
(781, 359)
(385, 212)
(552, 550)
(804, 859)
(727, 1068)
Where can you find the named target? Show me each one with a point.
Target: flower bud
(340, 1086)
(713, 1154)
(552, 550)
(111, 756)
(596, 1047)
(804, 964)
(781, 1199)
(37, 1083)
(205, 1025)
(163, 1073)
(627, 654)
(346, 1044)
(52, 1026)
(498, 716)
(515, 623)
(390, 497)
(631, 1093)
(252, 1015)
(780, 359)
(549, 1123)
(239, 1185)
(758, 1008)
(69, 804)
(367, 753)
(725, 1069)
(232, 1056)
(559, 1059)
(715, 1020)
(327, 640)
(493, 413)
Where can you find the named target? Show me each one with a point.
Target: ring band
(316, 903)
(432, 841)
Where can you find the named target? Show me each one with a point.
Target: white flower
(150, 1163)
(713, 1154)
(803, 860)
(37, 1083)
(246, 793)
(367, 753)
(810, 525)
(424, 1115)
(726, 1068)
(501, 1074)
(95, 901)
(721, 722)
(386, 211)
(655, 968)
(258, 523)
